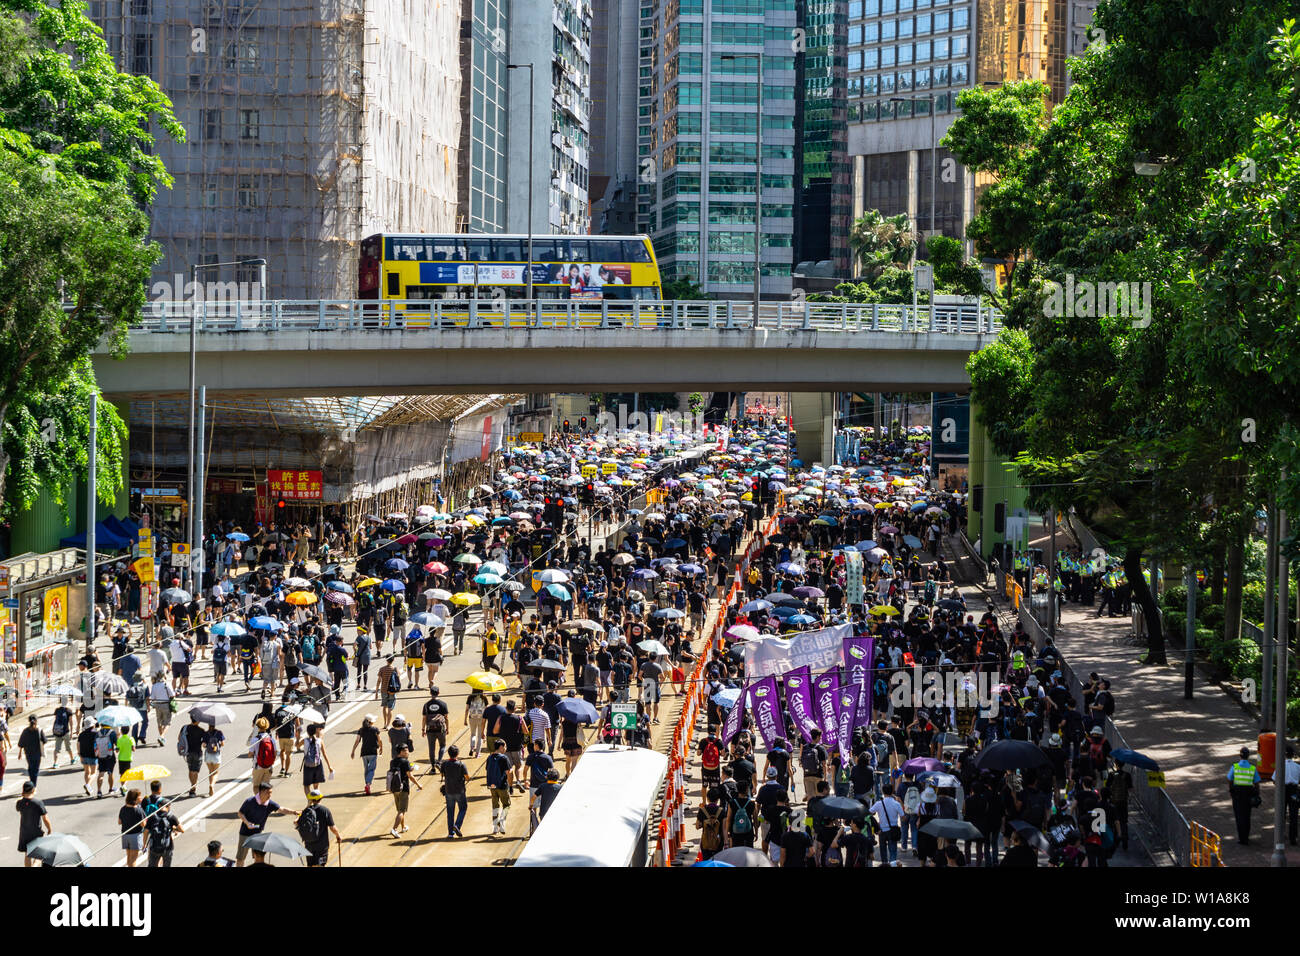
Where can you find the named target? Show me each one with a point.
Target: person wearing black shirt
(796, 848)
(400, 769)
(454, 778)
(855, 846)
(315, 824)
(1019, 854)
(510, 728)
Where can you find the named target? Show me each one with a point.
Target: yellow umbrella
(465, 599)
(368, 582)
(486, 680)
(886, 609)
(148, 771)
(883, 506)
(747, 496)
(301, 598)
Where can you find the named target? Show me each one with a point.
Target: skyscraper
(554, 37)
(614, 165)
(481, 178)
(703, 115)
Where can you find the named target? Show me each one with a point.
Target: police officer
(1243, 786)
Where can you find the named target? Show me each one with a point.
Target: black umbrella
(1011, 755)
(545, 664)
(953, 830)
(1031, 835)
(835, 808)
(948, 604)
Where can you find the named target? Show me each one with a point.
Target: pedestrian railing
(1170, 826)
(339, 315)
(1207, 847)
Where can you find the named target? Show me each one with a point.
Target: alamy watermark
(1091, 300)
(611, 424)
(164, 293)
(933, 689)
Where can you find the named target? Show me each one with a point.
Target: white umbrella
(309, 714)
(213, 713)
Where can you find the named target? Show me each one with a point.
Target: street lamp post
(194, 322)
(528, 279)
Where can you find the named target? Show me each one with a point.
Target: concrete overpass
(364, 348)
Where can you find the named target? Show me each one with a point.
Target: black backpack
(394, 682)
(811, 760)
(309, 826)
(160, 831)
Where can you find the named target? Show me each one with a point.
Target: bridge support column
(814, 426)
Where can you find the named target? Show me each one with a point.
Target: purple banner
(734, 716)
(799, 700)
(765, 703)
(824, 687)
(859, 655)
(846, 711)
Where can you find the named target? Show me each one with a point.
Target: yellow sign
(531, 436)
(609, 467)
(144, 568)
(145, 538)
(180, 548)
(56, 611)
(588, 471)
(1156, 778)
(537, 584)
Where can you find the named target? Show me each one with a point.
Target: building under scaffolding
(310, 124)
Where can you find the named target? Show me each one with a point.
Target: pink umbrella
(889, 529)
(436, 567)
(338, 597)
(407, 539)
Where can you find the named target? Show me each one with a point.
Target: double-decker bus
(492, 272)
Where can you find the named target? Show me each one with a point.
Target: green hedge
(1175, 599)
(1211, 616)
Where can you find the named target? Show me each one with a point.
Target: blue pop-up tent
(106, 539)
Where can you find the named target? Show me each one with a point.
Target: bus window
(510, 250)
(634, 250)
(446, 249)
(545, 249)
(645, 292)
(606, 250)
(478, 250)
(394, 285)
(579, 250)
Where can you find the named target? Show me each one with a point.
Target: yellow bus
(491, 271)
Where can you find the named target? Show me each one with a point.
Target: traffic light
(733, 424)
(590, 493)
(566, 426)
(583, 422)
(280, 503)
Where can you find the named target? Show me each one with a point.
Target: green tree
(682, 289)
(76, 166)
(879, 242)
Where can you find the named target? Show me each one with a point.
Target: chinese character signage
(294, 485)
(56, 613)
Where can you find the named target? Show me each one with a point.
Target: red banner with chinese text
(294, 485)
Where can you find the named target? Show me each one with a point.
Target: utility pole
(1051, 575)
(91, 494)
(1283, 646)
(1270, 632)
(1189, 668)
(196, 546)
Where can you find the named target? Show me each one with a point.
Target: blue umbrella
(784, 610)
(671, 613)
(396, 564)
(690, 569)
(866, 545)
(577, 710)
(340, 586)
(425, 619)
(789, 567)
(645, 574)
(228, 629)
(392, 585)
(756, 606)
(236, 536)
(1134, 759)
(726, 697)
(716, 863)
(919, 506)
(912, 541)
(487, 578)
(513, 495)
(497, 522)
(673, 544)
(801, 619)
(830, 519)
(265, 624)
(557, 591)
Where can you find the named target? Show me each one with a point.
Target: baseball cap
(314, 794)
(771, 773)
(1095, 732)
(399, 719)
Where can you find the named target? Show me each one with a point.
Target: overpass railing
(326, 315)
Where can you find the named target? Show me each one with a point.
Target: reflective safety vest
(1243, 774)
(1018, 660)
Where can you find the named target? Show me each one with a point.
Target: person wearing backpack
(315, 761)
(741, 814)
(158, 830)
(399, 781)
(436, 721)
(709, 820)
(314, 826)
(499, 779)
(106, 756)
(264, 750)
(387, 683)
(61, 731)
(812, 760)
(710, 763)
(455, 777)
